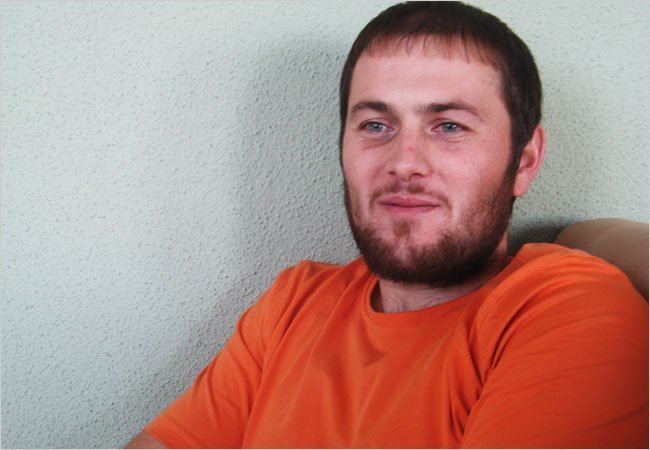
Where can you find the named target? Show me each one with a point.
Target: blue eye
(450, 127)
(374, 127)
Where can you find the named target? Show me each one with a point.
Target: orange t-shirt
(551, 352)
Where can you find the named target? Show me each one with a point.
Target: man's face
(426, 154)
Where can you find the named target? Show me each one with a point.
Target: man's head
(440, 106)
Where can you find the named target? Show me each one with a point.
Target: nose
(408, 158)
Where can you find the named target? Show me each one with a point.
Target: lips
(407, 204)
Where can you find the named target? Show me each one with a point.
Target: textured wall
(161, 162)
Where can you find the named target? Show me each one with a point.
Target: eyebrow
(430, 108)
(433, 108)
(371, 105)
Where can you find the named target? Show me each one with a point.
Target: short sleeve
(214, 411)
(571, 367)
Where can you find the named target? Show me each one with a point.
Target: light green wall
(161, 162)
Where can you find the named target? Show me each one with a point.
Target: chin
(406, 250)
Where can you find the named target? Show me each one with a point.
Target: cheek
(464, 182)
(357, 172)
(357, 192)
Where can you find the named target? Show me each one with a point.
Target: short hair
(455, 23)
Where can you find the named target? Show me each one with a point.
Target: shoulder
(307, 275)
(539, 268)
(549, 286)
(309, 282)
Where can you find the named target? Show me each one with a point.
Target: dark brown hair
(477, 32)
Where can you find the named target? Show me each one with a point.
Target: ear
(530, 161)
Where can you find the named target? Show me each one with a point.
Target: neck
(392, 297)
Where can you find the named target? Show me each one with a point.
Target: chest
(339, 381)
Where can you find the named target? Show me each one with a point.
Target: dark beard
(454, 259)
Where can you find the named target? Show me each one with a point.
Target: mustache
(397, 187)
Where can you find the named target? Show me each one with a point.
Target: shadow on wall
(275, 198)
(292, 198)
(569, 185)
(523, 235)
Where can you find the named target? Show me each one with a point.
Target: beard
(458, 255)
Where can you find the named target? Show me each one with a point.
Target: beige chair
(621, 242)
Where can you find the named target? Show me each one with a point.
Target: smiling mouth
(395, 208)
(407, 205)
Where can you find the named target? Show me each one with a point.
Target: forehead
(406, 71)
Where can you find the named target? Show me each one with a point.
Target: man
(435, 337)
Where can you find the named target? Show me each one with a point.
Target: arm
(145, 440)
(214, 411)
